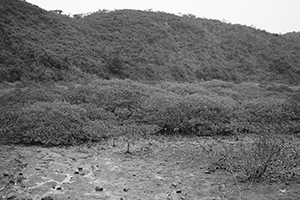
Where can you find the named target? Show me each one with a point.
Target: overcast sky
(276, 16)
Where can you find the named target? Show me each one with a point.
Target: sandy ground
(168, 168)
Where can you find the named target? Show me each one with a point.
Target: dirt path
(174, 169)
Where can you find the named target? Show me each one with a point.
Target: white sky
(276, 16)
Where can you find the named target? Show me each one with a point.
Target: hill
(140, 45)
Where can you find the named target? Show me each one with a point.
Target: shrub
(8, 118)
(106, 96)
(133, 132)
(81, 94)
(166, 111)
(280, 88)
(101, 130)
(193, 114)
(30, 95)
(129, 133)
(217, 83)
(267, 155)
(47, 123)
(262, 113)
(185, 88)
(212, 115)
(93, 112)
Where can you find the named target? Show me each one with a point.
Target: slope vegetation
(139, 45)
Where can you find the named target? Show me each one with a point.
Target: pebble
(174, 185)
(82, 174)
(11, 196)
(287, 183)
(58, 188)
(99, 189)
(5, 173)
(47, 198)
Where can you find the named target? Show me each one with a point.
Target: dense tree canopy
(140, 45)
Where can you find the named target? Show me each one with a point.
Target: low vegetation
(75, 113)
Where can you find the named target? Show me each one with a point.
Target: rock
(82, 174)
(5, 173)
(287, 183)
(174, 185)
(178, 191)
(125, 189)
(58, 188)
(47, 198)
(207, 172)
(11, 196)
(80, 169)
(99, 189)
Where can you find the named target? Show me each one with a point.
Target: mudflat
(165, 168)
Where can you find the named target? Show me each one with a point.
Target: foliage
(192, 114)
(133, 132)
(140, 45)
(99, 109)
(29, 95)
(268, 154)
(46, 123)
(262, 113)
(102, 129)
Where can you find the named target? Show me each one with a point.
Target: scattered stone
(80, 169)
(11, 196)
(47, 198)
(5, 174)
(99, 189)
(58, 188)
(174, 185)
(207, 172)
(282, 191)
(82, 174)
(273, 180)
(287, 183)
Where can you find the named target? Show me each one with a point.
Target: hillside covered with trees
(139, 45)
